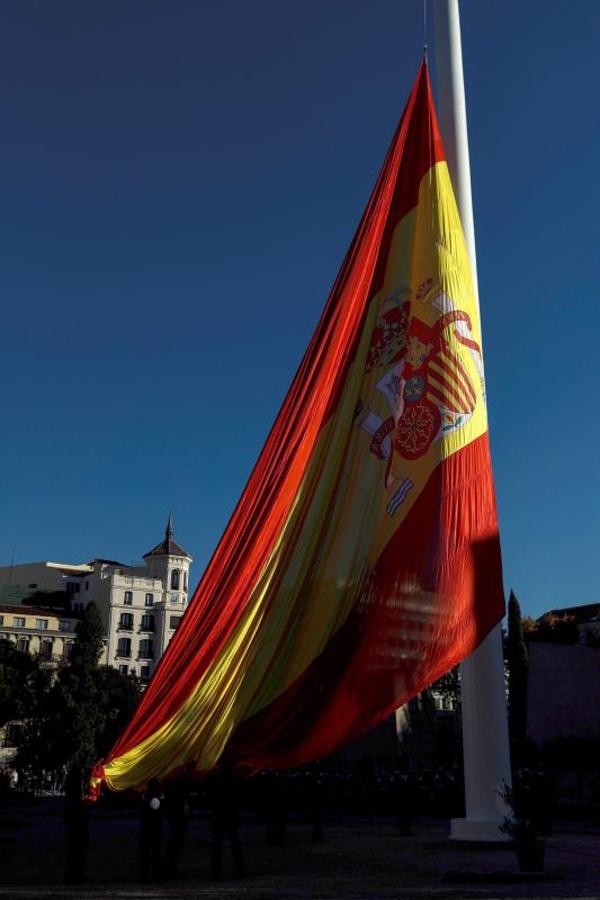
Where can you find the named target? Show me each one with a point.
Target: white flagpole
(484, 720)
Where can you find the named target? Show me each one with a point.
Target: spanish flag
(362, 560)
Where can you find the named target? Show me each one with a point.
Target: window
(46, 650)
(41, 624)
(19, 622)
(1, 620)
(87, 585)
(128, 599)
(185, 581)
(68, 649)
(146, 649)
(126, 620)
(124, 647)
(124, 670)
(175, 580)
(149, 600)
(174, 621)
(145, 673)
(23, 645)
(64, 625)
(147, 622)
(174, 599)
(32, 585)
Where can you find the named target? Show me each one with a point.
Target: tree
(75, 720)
(557, 628)
(120, 695)
(530, 626)
(59, 731)
(73, 723)
(517, 661)
(433, 739)
(448, 687)
(22, 680)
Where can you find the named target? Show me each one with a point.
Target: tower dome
(169, 563)
(168, 547)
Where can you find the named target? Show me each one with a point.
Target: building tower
(171, 564)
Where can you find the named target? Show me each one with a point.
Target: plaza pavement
(361, 857)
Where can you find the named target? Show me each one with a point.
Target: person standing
(177, 814)
(223, 800)
(77, 825)
(151, 819)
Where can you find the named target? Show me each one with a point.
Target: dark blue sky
(179, 182)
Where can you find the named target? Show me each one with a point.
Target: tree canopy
(74, 718)
(21, 680)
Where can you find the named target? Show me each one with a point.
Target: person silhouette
(222, 793)
(151, 819)
(77, 824)
(177, 813)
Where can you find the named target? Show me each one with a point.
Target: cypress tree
(517, 660)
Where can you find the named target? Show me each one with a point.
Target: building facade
(141, 606)
(563, 677)
(49, 634)
(563, 692)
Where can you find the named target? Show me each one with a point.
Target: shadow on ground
(360, 858)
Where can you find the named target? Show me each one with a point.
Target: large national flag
(362, 560)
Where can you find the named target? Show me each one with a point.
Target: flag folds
(362, 560)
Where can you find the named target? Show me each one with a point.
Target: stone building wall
(563, 697)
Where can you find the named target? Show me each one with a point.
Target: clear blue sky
(179, 182)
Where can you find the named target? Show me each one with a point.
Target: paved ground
(360, 858)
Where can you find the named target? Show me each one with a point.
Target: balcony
(137, 581)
